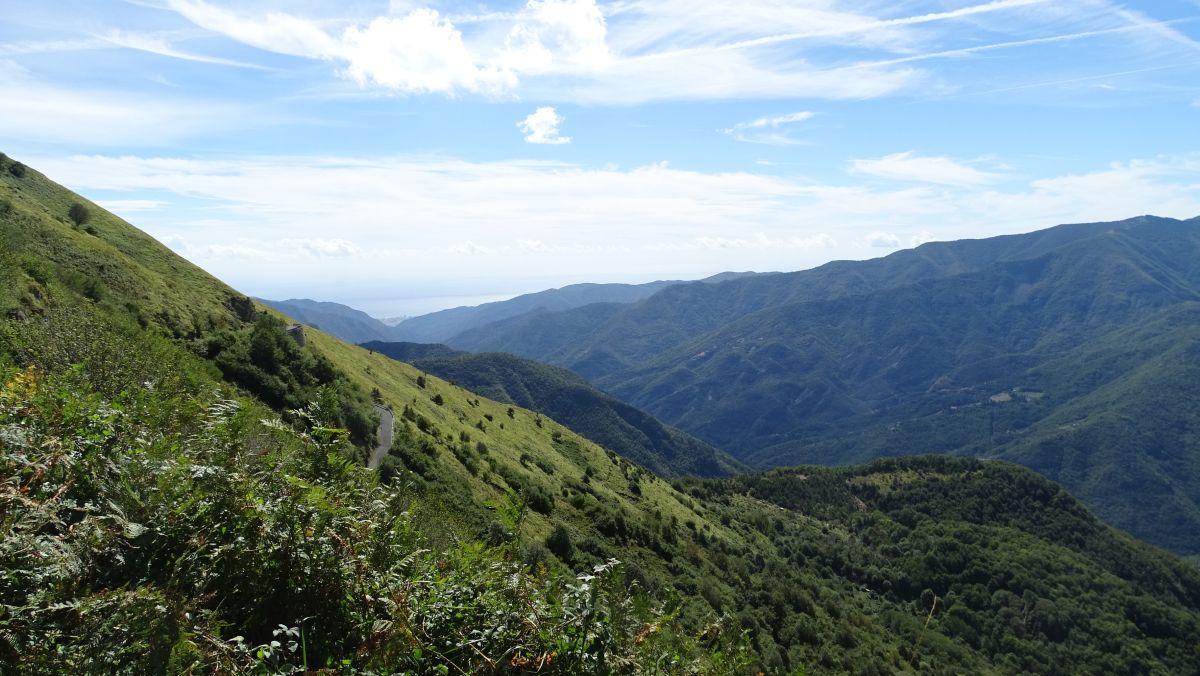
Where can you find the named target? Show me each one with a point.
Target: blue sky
(405, 156)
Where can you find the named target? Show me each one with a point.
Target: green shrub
(559, 543)
(79, 214)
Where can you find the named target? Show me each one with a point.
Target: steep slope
(999, 348)
(343, 321)
(155, 518)
(569, 399)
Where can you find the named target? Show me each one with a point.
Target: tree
(79, 214)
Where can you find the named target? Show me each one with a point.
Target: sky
(406, 156)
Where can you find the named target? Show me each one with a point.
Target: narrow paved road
(385, 437)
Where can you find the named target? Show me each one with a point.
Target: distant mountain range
(356, 326)
(1074, 351)
(564, 396)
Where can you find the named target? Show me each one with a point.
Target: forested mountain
(436, 327)
(1071, 350)
(564, 396)
(183, 491)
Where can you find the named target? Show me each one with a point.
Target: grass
(508, 439)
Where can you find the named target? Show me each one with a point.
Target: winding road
(385, 437)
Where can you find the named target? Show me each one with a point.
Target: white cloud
(921, 237)
(420, 52)
(557, 35)
(321, 248)
(908, 166)
(883, 240)
(541, 126)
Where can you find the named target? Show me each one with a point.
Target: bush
(559, 542)
(539, 499)
(79, 214)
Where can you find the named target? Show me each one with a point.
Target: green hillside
(1066, 350)
(569, 399)
(352, 326)
(183, 492)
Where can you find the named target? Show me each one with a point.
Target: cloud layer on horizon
(400, 219)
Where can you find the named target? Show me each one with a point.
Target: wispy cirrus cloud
(39, 111)
(163, 46)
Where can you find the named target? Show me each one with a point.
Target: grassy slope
(802, 578)
(134, 270)
(507, 439)
(564, 396)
